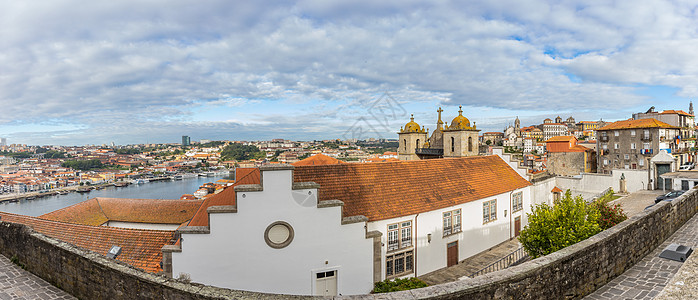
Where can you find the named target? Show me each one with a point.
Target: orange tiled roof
(318, 159)
(225, 197)
(556, 190)
(97, 211)
(562, 138)
(394, 189)
(377, 159)
(139, 248)
(678, 112)
(641, 123)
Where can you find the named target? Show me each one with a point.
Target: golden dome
(460, 122)
(412, 126)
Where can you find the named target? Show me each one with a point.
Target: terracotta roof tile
(97, 211)
(641, 123)
(247, 175)
(318, 159)
(139, 248)
(678, 112)
(556, 190)
(393, 189)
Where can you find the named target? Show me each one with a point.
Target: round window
(278, 235)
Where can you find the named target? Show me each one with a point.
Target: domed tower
(411, 137)
(460, 139)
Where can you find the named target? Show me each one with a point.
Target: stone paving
(637, 201)
(472, 264)
(647, 278)
(16, 283)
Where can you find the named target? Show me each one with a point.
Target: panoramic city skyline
(132, 72)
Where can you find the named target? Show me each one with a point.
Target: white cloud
(152, 64)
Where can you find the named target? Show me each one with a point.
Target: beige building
(460, 139)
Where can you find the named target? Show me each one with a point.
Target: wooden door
(452, 254)
(517, 226)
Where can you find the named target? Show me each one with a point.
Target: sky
(130, 72)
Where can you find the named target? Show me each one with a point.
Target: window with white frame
(646, 146)
(399, 264)
(517, 199)
(632, 146)
(604, 146)
(632, 132)
(627, 156)
(452, 222)
(615, 133)
(605, 162)
(489, 211)
(615, 146)
(641, 162)
(399, 235)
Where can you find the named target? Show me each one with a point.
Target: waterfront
(152, 190)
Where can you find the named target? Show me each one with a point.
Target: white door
(326, 283)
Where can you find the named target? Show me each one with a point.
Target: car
(687, 166)
(669, 196)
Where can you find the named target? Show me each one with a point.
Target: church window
(417, 143)
(453, 144)
(470, 144)
(404, 143)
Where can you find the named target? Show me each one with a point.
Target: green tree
(83, 164)
(550, 229)
(240, 152)
(609, 215)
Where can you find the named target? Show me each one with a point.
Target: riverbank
(13, 197)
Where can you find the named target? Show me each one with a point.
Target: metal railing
(511, 259)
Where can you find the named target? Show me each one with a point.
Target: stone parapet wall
(569, 273)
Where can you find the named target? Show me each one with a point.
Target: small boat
(177, 177)
(84, 190)
(121, 184)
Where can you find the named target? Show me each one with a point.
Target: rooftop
(641, 123)
(139, 248)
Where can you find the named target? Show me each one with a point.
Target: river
(152, 190)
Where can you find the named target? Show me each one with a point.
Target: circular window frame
(283, 244)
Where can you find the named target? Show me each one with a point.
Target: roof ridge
(102, 210)
(83, 225)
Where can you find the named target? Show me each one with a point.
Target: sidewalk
(472, 264)
(16, 283)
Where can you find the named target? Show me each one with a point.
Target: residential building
(532, 132)
(678, 118)
(629, 144)
(186, 140)
(495, 138)
(567, 158)
(554, 129)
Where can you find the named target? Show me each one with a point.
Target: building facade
(631, 143)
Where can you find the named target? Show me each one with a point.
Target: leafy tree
(399, 284)
(83, 164)
(550, 229)
(240, 152)
(54, 154)
(488, 142)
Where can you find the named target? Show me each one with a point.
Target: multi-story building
(186, 140)
(495, 138)
(631, 143)
(554, 129)
(678, 118)
(566, 157)
(532, 132)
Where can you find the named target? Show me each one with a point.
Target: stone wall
(569, 273)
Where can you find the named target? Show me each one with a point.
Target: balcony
(429, 152)
(646, 151)
(646, 137)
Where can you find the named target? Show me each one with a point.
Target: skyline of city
(312, 71)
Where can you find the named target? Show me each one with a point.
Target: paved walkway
(647, 278)
(637, 201)
(472, 264)
(16, 283)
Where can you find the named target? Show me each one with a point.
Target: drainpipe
(510, 206)
(415, 245)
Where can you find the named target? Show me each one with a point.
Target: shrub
(550, 229)
(608, 215)
(398, 285)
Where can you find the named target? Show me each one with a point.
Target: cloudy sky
(94, 72)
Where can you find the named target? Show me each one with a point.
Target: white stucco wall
(541, 192)
(133, 225)
(235, 254)
(590, 184)
(474, 237)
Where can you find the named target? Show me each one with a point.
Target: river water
(151, 190)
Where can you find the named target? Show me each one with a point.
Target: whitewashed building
(337, 229)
